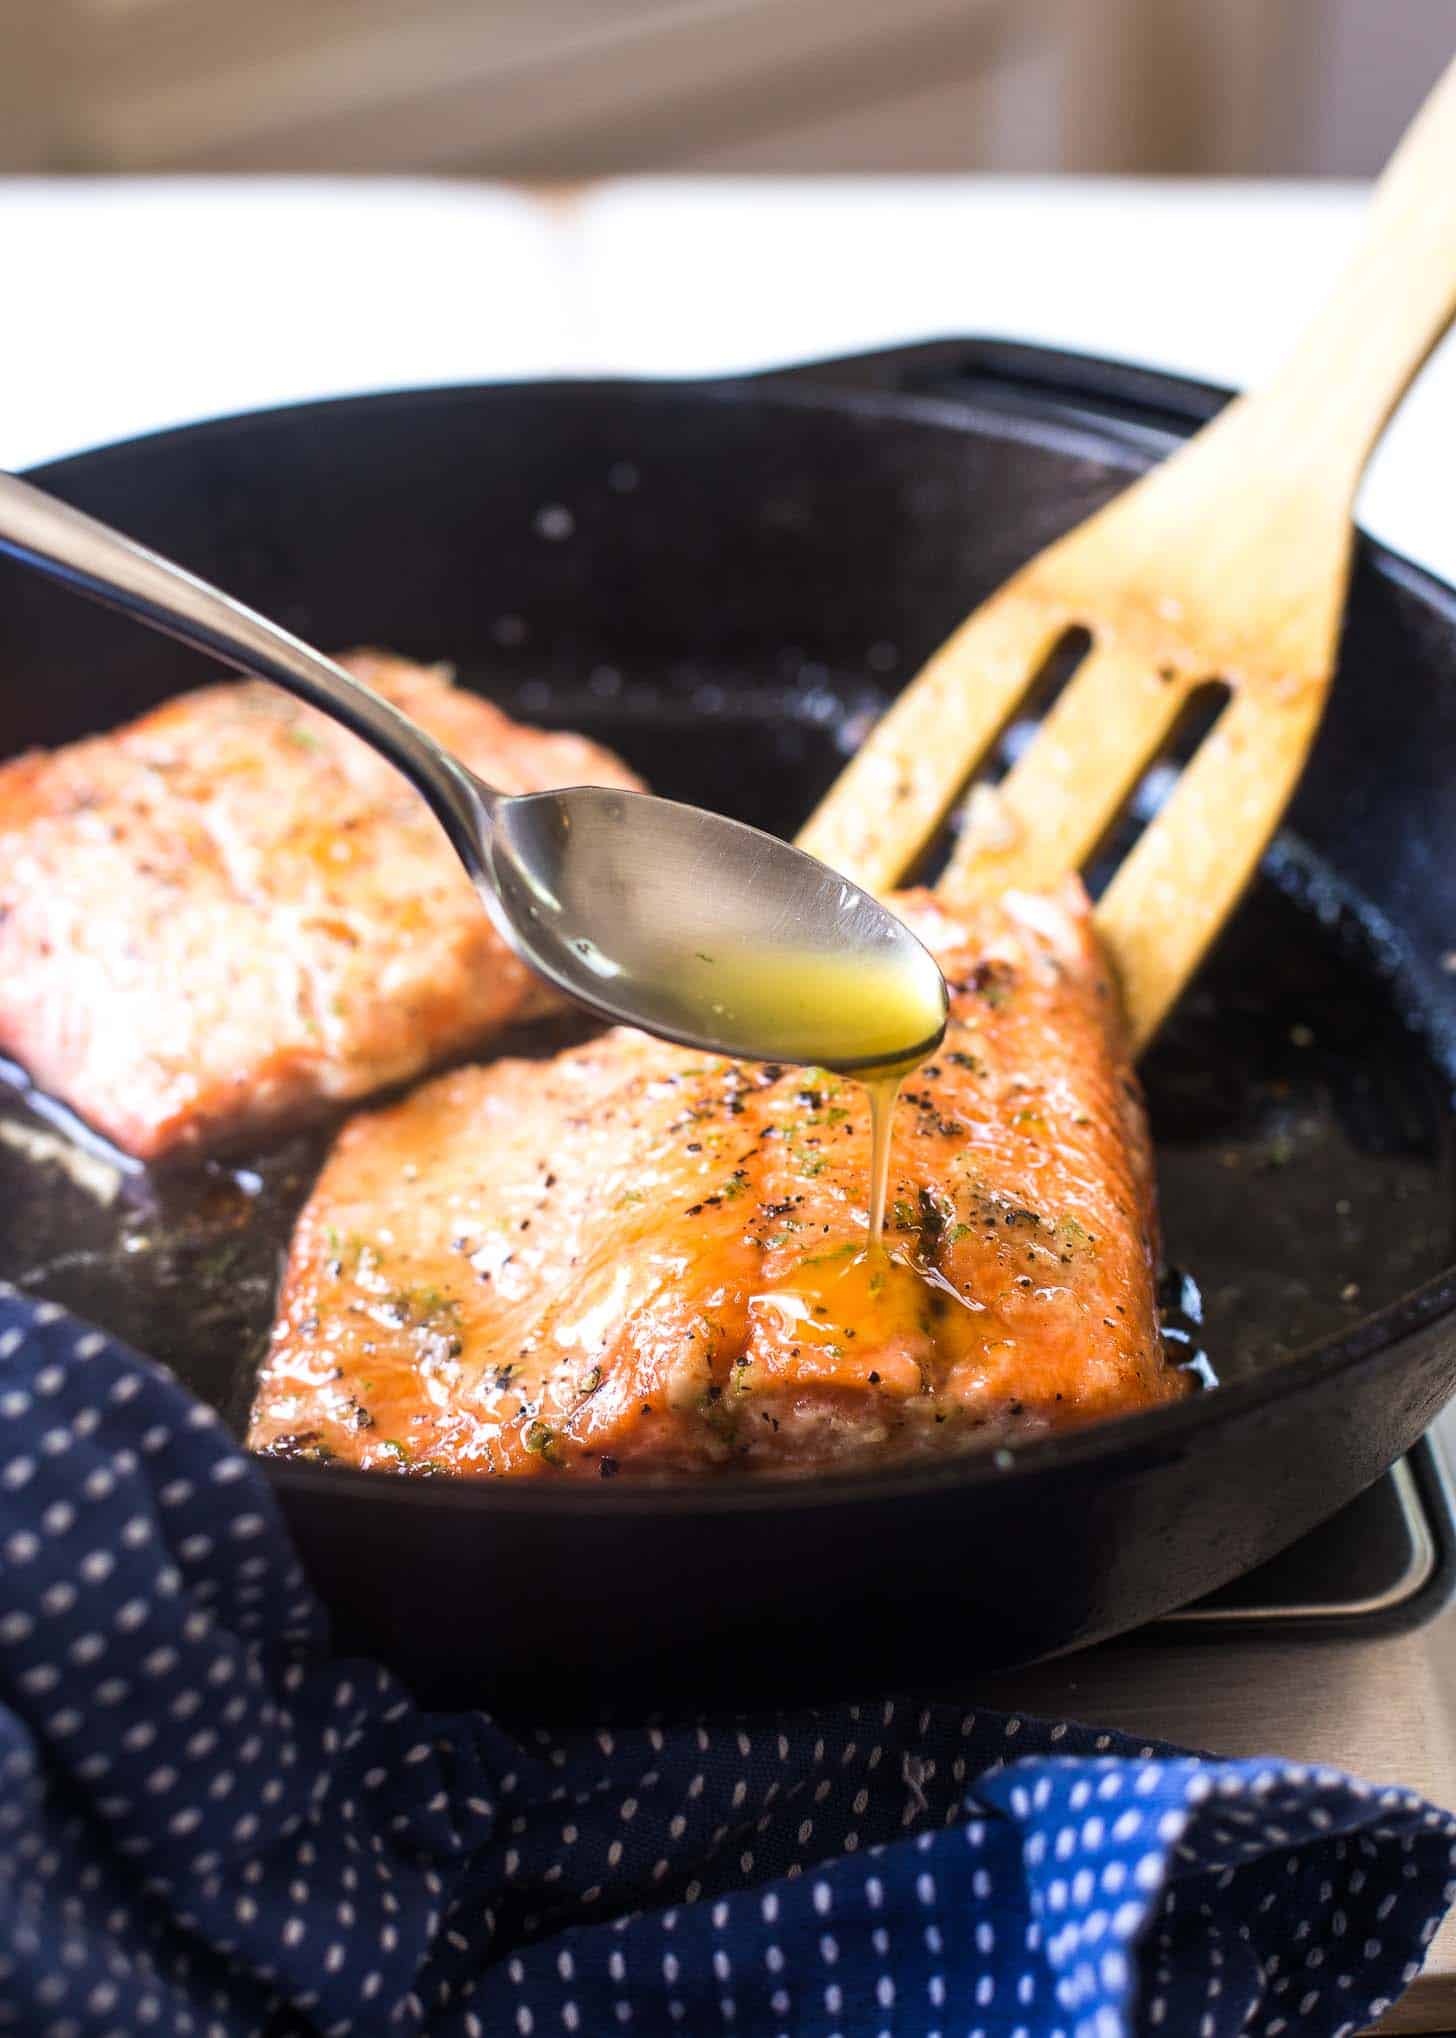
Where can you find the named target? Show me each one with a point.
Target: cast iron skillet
(726, 582)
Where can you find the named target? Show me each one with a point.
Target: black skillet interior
(727, 583)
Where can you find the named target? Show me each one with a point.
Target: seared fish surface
(634, 1258)
(231, 911)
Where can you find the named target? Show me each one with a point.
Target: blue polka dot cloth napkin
(211, 1826)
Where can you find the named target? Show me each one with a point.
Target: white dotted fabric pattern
(211, 1827)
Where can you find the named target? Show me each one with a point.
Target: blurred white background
(213, 205)
(569, 88)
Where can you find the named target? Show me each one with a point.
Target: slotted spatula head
(1227, 565)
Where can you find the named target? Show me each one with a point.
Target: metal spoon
(679, 921)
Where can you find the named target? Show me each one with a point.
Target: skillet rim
(1160, 1433)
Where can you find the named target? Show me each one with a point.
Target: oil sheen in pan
(1302, 1124)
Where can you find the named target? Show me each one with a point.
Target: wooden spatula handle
(1251, 523)
(1394, 300)
(1228, 564)
(1256, 503)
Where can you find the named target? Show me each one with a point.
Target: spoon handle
(89, 556)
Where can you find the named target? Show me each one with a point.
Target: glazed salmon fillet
(232, 911)
(632, 1258)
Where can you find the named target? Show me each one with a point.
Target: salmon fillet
(630, 1257)
(232, 910)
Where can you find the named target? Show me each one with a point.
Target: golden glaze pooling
(632, 1258)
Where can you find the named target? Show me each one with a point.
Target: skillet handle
(1143, 406)
(67, 545)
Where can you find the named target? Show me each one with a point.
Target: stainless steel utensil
(685, 923)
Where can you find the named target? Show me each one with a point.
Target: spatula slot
(1049, 682)
(1196, 719)
(1053, 676)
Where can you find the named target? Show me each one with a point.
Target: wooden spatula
(1229, 562)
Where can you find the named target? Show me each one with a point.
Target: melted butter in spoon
(872, 1016)
(861, 1023)
(875, 1016)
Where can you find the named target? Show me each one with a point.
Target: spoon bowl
(706, 931)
